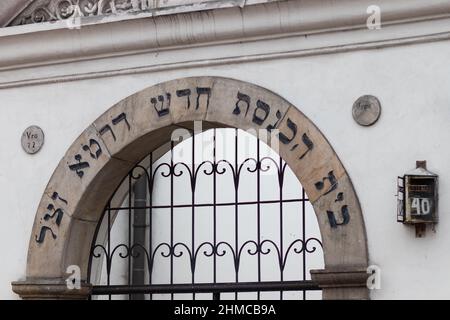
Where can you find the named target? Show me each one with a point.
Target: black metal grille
(174, 240)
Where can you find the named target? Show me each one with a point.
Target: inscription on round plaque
(366, 110)
(32, 139)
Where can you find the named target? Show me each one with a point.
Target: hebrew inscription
(162, 103)
(302, 148)
(51, 218)
(332, 181)
(246, 106)
(79, 166)
(343, 210)
(260, 114)
(327, 185)
(105, 152)
(107, 128)
(93, 149)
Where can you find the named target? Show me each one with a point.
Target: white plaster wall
(410, 81)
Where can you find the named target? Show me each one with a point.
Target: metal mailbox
(418, 196)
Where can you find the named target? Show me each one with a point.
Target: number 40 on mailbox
(418, 196)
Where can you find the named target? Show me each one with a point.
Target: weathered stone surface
(245, 106)
(84, 176)
(191, 98)
(130, 120)
(73, 239)
(344, 244)
(78, 243)
(47, 241)
(345, 282)
(79, 192)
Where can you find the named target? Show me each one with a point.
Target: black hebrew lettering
(58, 212)
(78, 167)
(308, 143)
(293, 127)
(259, 119)
(185, 93)
(97, 151)
(344, 212)
(345, 217)
(164, 108)
(107, 128)
(55, 196)
(121, 117)
(332, 181)
(279, 116)
(41, 237)
(201, 91)
(54, 214)
(242, 98)
(305, 139)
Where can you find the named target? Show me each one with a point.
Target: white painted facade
(318, 55)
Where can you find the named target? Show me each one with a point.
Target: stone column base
(342, 283)
(50, 289)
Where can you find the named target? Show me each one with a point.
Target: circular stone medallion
(366, 110)
(32, 139)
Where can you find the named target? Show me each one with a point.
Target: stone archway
(103, 154)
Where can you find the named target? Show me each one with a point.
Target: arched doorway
(97, 161)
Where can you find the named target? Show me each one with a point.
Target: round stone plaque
(32, 139)
(366, 110)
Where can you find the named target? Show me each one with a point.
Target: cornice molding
(39, 11)
(140, 34)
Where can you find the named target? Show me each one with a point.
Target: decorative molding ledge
(341, 277)
(342, 283)
(46, 289)
(219, 61)
(311, 27)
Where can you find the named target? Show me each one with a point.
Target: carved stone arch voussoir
(103, 154)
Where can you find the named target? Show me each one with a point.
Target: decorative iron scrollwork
(277, 248)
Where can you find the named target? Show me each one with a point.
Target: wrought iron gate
(224, 227)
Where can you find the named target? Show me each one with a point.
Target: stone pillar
(50, 289)
(342, 283)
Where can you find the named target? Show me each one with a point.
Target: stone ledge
(341, 277)
(50, 289)
(342, 283)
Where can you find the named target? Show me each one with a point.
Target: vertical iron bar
(280, 181)
(194, 183)
(216, 295)
(236, 208)
(258, 208)
(171, 215)
(150, 226)
(109, 260)
(304, 238)
(129, 230)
